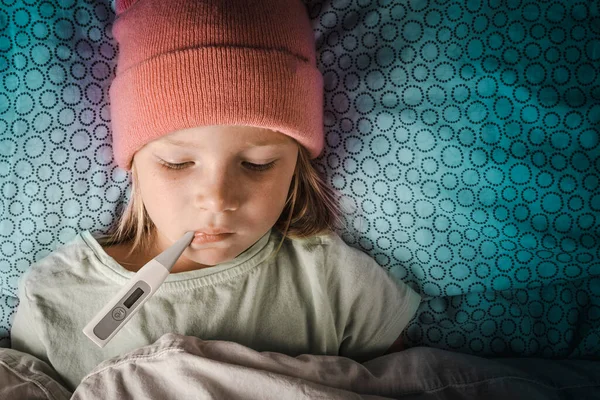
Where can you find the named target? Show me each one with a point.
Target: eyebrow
(250, 144)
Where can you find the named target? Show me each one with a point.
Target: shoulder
(43, 273)
(325, 244)
(331, 251)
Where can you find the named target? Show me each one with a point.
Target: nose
(217, 193)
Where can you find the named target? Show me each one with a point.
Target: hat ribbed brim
(248, 86)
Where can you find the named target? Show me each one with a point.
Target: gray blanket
(184, 367)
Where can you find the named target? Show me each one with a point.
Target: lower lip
(200, 239)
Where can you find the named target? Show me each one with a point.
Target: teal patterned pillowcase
(463, 137)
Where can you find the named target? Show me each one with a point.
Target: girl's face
(231, 178)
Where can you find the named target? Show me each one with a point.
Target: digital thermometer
(135, 293)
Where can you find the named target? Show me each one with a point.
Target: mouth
(210, 237)
(212, 232)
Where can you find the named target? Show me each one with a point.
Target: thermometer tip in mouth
(168, 257)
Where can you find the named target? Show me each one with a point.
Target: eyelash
(254, 167)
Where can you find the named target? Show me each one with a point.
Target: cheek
(269, 197)
(158, 195)
(272, 195)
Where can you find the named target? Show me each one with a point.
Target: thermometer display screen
(134, 296)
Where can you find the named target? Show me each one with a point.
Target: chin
(208, 256)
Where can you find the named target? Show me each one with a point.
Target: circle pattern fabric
(462, 136)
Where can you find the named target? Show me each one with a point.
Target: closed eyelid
(185, 160)
(257, 167)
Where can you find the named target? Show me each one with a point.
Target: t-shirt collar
(254, 250)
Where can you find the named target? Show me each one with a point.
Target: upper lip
(211, 232)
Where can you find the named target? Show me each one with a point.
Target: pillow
(57, 175)
(462, 137)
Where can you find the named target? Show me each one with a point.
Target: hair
(312, 208)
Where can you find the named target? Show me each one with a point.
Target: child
(217, 111)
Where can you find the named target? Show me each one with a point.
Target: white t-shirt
(317, 296)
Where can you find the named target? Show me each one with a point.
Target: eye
(167, 165)
(260, 167)
(250, 166)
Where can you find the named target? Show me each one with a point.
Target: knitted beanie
(187, 63)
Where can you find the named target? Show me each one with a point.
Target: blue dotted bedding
(463, 137)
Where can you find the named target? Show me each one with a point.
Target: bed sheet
(181, 367)
(463, 137)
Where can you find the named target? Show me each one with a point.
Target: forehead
(243, 136)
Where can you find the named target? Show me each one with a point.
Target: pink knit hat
(187, 63)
